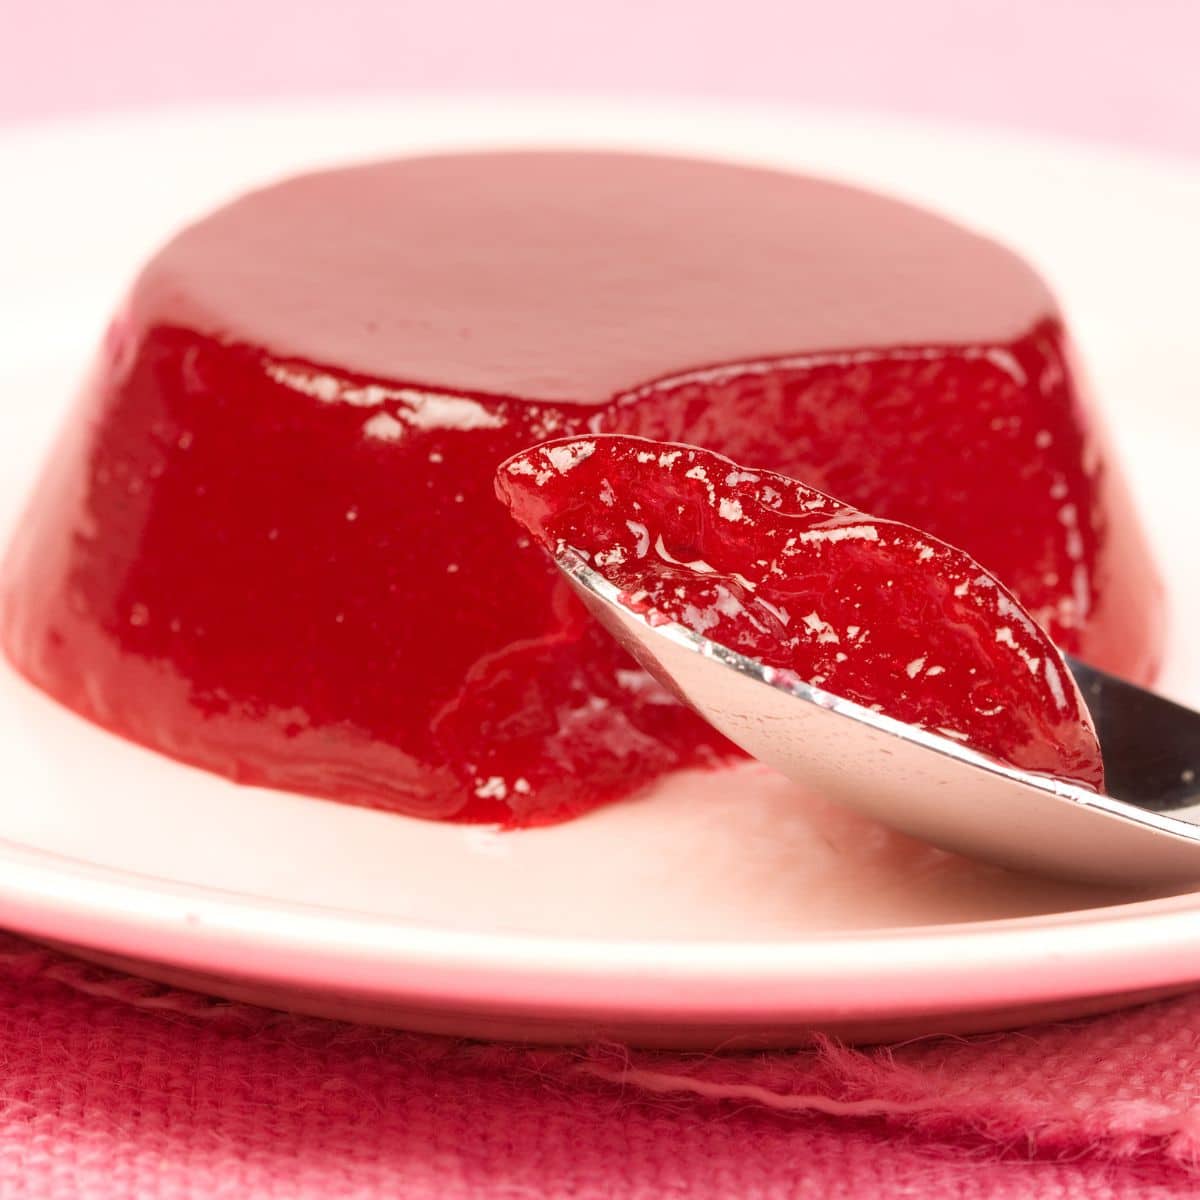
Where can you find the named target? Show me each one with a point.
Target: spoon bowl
(1144, 830)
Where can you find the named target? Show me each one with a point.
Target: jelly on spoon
(683, 556)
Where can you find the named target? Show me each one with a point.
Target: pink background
(1115, 70)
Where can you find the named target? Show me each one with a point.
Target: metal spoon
(1145, 830)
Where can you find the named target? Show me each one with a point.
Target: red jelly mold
(871, 610)
(268, 544)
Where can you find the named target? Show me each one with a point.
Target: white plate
(723, 907)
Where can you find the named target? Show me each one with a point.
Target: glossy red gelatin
(875, 611)
(267, 542)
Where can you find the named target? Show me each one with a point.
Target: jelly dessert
(875, 611)
(268, 543)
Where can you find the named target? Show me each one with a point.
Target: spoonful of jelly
(865, 659)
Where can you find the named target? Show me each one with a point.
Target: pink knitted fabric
(111, 1087)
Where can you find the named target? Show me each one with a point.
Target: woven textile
(111, 1087)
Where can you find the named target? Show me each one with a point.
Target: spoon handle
(1151, 745)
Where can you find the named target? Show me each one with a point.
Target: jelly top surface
(576, 276)
(875, 611)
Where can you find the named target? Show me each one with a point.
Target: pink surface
(1120, 70)
(117, 1089)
